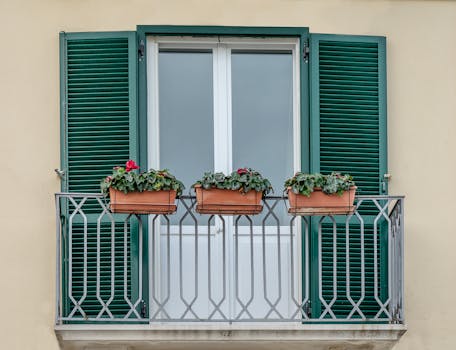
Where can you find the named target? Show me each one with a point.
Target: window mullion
(222, 109)
(153, 139)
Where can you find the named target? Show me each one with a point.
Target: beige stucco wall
(422, 141)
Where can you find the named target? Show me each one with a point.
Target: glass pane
(262, 109)
(186, 115)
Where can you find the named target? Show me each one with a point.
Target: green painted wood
(144, 30)
(98, 131)
(348, 108)
(348, 134)
(99, 99)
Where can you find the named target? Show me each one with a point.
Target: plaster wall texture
(421, 48)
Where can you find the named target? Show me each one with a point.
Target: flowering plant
(305, 184)
(131, 165)
(125, 179)
(242, 180)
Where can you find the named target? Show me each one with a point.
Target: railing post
(401, 260)
(396, 261)
(58, 278)
(392, 241)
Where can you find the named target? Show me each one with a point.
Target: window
(122, 93)
(218, 104)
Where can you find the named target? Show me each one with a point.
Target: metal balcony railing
(188, 267)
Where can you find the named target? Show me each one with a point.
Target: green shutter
(348, 108)
(98, 132)
(348, 135)
(98, 93)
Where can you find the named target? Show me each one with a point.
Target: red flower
(241, 171)
(131, 165)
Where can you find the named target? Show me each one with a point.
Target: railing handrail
(101, 195)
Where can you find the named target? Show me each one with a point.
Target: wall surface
(422, 124)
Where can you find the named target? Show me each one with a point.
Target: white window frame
(222, 47)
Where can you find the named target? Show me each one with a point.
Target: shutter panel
(348, 108)
(348, 135)
(98, 106)
(98, 132)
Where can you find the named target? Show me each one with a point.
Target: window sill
(226, 336)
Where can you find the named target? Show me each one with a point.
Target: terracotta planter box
(320, 203)
(147, 202)
(227, 202)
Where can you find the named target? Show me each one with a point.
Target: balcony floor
(229, 336)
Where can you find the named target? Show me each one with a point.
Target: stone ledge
(229, 336)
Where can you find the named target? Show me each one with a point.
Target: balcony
(262, 278)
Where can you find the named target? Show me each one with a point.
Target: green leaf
(235, 181)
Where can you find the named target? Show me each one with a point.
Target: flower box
(239, 193)
(320, 203)
(227, 202)
(318, 194)
(150, 192)
(147, 202)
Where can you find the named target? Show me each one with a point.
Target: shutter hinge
(384, 181)
(60, 173)
(305, 52)
(141, 50)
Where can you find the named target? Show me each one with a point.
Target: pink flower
(131, 165)
(108, 179)
(241, 171)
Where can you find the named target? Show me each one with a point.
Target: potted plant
(151, 192)
(240, 192)
(318, 194)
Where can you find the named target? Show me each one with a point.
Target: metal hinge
(141, 50)
(60, 173)
(305, 52)
(384, 181)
